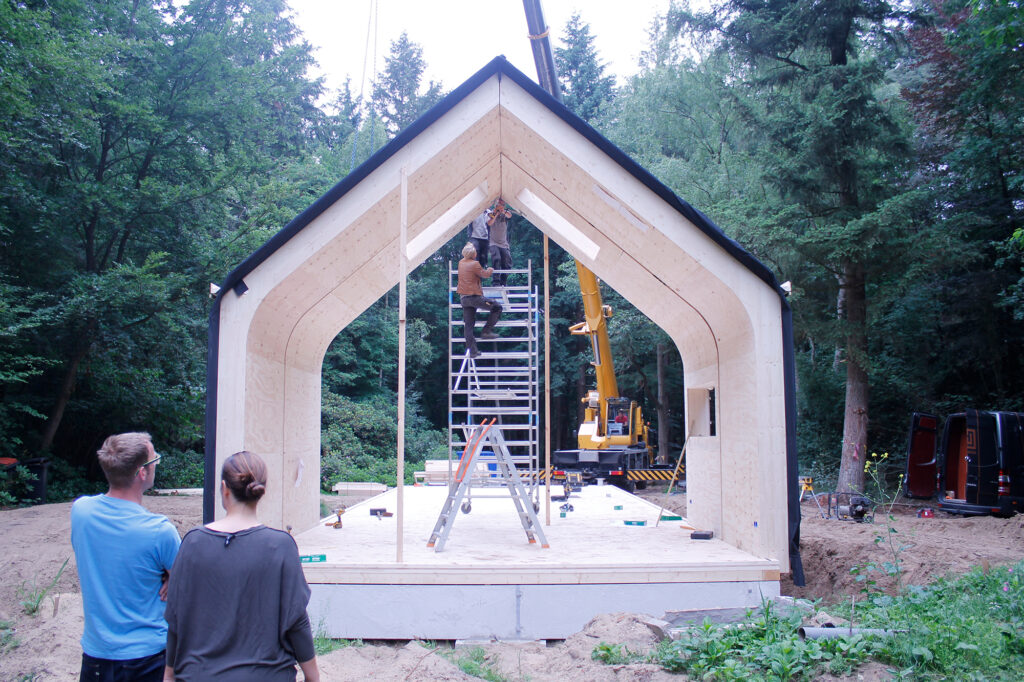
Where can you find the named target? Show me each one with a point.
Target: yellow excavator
(612, 441)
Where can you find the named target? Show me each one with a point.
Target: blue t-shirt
(122, 551)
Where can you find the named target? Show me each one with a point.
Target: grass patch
(7, 639)
(32, 596)
(323, 644)
(966, 628)
(766, 647)
(474, 661)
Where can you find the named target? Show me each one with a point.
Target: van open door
(921, 479)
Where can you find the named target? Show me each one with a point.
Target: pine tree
(833, 150)
(396, 95)
(585, 88)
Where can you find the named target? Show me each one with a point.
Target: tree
(396, 95)
(585, 88)
(143, 137)
(966, 95)
(835, 152)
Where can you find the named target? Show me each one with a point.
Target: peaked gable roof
(501, 67)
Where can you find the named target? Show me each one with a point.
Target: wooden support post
(547, 384)
(403, 267)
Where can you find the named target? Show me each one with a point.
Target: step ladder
(459, 490)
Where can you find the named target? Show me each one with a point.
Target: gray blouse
(236, 607)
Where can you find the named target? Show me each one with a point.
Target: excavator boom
(595, 325)
(613, 439)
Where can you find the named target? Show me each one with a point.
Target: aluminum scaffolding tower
(502, 383)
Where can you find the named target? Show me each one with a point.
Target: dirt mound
(410, 661)
(926, 548)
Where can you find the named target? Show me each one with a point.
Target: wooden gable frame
(499, 134)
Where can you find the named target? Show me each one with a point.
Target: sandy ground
(36, 541)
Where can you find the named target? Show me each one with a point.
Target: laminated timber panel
(660, 261)
(627, 274)
(344, 260)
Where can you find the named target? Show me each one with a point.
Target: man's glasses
(152, 461)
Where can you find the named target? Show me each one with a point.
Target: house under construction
(500, 135)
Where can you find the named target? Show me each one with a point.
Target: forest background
(868, 152)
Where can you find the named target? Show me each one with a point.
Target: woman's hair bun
(245, 474)
(255, 490)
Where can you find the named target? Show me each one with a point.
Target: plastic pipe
(835, 633)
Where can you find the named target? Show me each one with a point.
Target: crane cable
(371, 21)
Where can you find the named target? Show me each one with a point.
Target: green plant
(7, 639)
(359, 438)
(764, 646)
(889, 537)
(475, 662)
(33, 596)
(15, 486)
(66, 482)
(323, 644)
(614, 654)
(971, 627)
(180, 469)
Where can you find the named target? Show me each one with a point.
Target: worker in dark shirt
(472, 298)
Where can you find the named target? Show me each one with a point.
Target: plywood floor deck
(591, 544)
(490, 582)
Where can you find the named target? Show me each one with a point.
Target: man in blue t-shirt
(124, 555)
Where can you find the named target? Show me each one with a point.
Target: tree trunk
(855, 422)
(664, 423)
(581, 393)
(67, 387)
(837, 355)
(561, 423)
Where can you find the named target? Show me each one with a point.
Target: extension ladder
(461, 487)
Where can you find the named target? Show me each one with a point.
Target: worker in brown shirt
(472, 297)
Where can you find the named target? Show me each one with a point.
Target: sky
(459, 37)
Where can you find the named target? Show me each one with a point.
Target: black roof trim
(498, 65)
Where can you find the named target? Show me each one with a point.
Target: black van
(976, 467)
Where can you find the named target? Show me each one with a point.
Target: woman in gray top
(236, 601)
